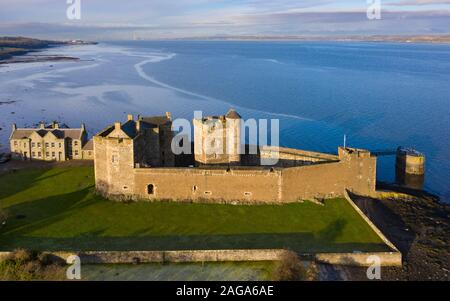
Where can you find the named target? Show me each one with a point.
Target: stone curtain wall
(253, 185)
(209, 185)
(330, 177)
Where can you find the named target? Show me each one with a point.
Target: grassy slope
(10, 46)
(55, 209)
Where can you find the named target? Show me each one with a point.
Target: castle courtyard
(55, 208)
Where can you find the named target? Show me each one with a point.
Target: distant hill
(343, 38)
(10, 46)
(26, 43)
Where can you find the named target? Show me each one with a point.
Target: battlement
(349, 152)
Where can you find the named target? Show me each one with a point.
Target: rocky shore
(419, 227)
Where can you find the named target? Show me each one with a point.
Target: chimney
(138, 125)
(14, 127)
(129, 117)
(55, 125)
(41, 125)
(83, 127)
(169, 115)
(117, 125)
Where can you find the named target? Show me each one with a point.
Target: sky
(150, 19)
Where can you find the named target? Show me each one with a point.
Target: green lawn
(56, 209)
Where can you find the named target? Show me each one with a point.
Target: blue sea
(380, 95)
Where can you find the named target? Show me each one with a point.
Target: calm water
(380, 95)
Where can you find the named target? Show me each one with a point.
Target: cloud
(106, 19)
(279, 24)
(418, 2)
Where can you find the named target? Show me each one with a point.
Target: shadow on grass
(93, 241)
(44, 212)
(16, 181)
(39, 214)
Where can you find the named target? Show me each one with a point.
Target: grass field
(56, 209)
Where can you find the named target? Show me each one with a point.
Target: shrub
(27, 265)
(22, 256)
(290, 268)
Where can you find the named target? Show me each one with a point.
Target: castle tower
(217, 139)
(410, 168)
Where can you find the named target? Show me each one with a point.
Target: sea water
(380, 95)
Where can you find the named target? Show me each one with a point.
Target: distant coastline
(13, 49)
(441, 39)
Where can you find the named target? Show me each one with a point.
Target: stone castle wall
(353, 171)
(134, 160)
(357, 174)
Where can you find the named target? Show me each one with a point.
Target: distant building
(50, 143)
(88, 150)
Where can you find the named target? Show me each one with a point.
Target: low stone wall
(182, 256)
(114, 257)
(369, 222)
(360, 259)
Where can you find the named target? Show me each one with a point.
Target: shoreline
(26, 50)
(37, 59)
(419, 227)
(419, 39)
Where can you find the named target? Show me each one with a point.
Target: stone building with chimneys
(52, 142)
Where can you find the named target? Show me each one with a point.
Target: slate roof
(89, 145)
(129, 128)
(232, 114)
(156, 120)
(59, 133)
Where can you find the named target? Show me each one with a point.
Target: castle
(134, 161)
